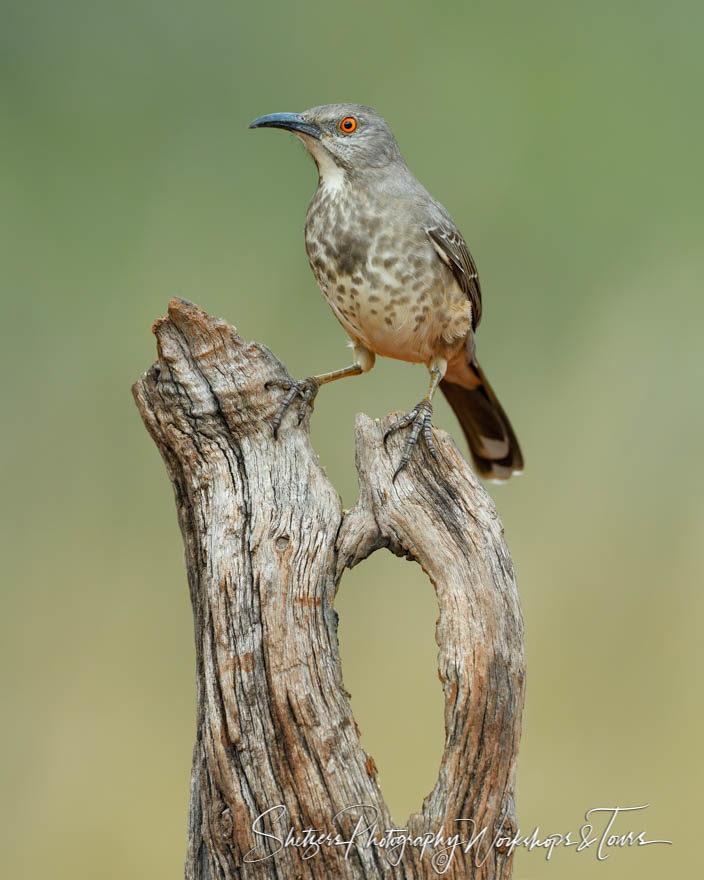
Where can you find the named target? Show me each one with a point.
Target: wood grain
(266, 543)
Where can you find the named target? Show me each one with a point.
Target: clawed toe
(420, 420)
(306, 389)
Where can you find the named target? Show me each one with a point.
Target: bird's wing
(452, 250)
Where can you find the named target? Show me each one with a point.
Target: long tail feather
(491, 438)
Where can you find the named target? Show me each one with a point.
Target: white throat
(332, 177)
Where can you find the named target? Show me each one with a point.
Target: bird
(398, 275)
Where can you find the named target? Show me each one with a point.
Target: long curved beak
(288, 121)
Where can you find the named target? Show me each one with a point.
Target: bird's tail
(491, 439)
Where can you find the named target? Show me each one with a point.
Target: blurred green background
(566, 140)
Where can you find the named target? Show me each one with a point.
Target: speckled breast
(382, 278)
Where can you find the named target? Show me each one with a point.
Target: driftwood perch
(266, 544)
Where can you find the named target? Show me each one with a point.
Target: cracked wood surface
(266, 543)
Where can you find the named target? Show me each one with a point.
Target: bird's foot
(306, 389)
(420, 419)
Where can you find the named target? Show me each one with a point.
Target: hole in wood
(387, 613)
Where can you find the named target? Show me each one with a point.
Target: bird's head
(340, 137)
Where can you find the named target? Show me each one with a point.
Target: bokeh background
(566, 140)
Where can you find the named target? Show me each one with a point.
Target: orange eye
(348, 125)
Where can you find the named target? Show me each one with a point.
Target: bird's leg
(420, 418)
(307, 389)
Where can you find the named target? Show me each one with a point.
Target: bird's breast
(382, 278)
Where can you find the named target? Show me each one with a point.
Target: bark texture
(266, 544)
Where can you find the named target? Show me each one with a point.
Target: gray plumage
(396, 271)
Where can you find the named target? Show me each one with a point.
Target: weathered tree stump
(266, 543)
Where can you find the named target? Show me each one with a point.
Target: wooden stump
(266, 544)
